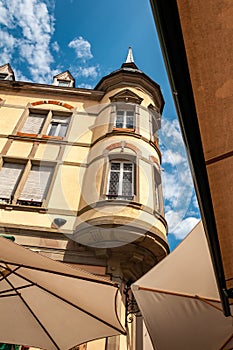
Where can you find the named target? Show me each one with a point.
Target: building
(196, 39)
(80, 174)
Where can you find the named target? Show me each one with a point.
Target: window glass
(58, 126)
(3, 76)
(121, 180)
(125, 117)
(63, 83)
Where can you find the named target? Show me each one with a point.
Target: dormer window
(64, 79)
(63, 83)
(6, 72)
(3, 76)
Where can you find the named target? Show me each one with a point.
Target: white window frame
(59, 123)
(121, 171)
(125, 109)
(49, 117)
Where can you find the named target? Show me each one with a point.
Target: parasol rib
(178, 294)
(228, 340)
(70, 303)
(16, 289)
(101, 281)
(33, 314)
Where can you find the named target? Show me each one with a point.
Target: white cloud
(88, 72)
(181, 228)
(85, 86)
(31, 25)
(177, 180)
(4, 16)
(19, 75)
(55, 46)
(7, 43)
(82, 48)
(173, 158)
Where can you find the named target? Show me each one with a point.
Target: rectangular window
(17, 188)
(34, 123)
(3, 76)
(125, 118)
(36, 186)
(9, 179)
(121, 180)
(63, 83)
(58, 126)
(46, 123)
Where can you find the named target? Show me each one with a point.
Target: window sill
(24, 134)
(52, 137)
(19, 207)
(124, 129)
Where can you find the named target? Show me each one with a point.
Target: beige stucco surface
(207, 30)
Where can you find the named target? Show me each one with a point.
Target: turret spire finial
(129, 63)
(129, 58)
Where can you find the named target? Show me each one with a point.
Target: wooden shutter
(33, 124)
(9, 178)
(36, 185)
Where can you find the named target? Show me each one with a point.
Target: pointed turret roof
(129, 63)
(130, 75)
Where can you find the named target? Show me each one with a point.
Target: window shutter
(37, 184)
(9, 178)
(33, 124)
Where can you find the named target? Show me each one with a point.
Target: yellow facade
(92, 159)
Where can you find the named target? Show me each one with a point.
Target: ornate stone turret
(121, 209)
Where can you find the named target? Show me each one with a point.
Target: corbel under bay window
(121, 180)
(25, 183)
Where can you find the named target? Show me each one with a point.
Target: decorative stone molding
(52, 102)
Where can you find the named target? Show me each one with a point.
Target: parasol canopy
(180, 302)
(49, 305)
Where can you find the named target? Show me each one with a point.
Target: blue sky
(41, 38)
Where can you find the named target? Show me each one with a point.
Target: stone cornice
(34, 88)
